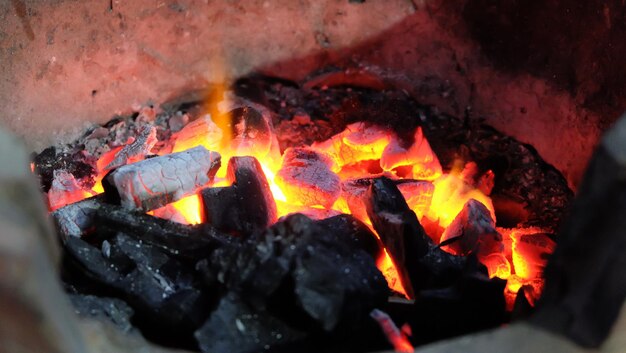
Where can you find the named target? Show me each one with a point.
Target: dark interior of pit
(296, 307)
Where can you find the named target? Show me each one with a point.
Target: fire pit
(345, 210)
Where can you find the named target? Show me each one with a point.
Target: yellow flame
(279, 195)
(190, 208)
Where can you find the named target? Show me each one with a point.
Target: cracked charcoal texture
(155, 182)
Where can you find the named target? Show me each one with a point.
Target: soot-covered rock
(244, 207)
(237, 327)
(304, 274)
(113, 310)
(161, 290)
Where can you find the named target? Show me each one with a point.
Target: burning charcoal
(472, 230)
(419, 156)
(400, 231)
(237, 327)
(76, 219)
(64, 190)
(110, 309)
(155, 182)
(417, 194)
(297, 261)
(306, 177)
(450, 196)
(353, 192)
(358, 142)
(200, 132)
(497, 265)
(136, 150)
(158, 287)
(530, 254)
(247, 205)
(356, 232)
(175, 239)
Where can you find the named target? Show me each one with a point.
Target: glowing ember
(419, 156)
(386, 266)
(397, 338)
(497, 265)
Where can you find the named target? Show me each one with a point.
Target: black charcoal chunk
(311, 272)
(186, 242)
(355, 232)
(237, 327)
(246, 206)
(474, 303)
(157, 286)
(400, 231)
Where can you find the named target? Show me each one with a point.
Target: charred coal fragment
(237, 327)
(307, 178)
(161, 290)
(355, 232)
(105, 309)
(301, 273)
(400, 231)
(77, 219)
(155, 182)
(178, 240)
(244, 207)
